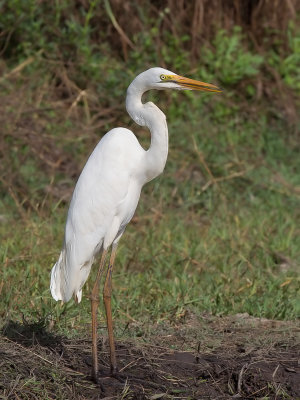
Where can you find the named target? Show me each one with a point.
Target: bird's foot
(97, 381)
(114, 373)
(113, 370)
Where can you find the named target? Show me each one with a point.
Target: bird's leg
(107, 302)
(94, 304)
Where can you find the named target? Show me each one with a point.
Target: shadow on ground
(31, 334)
(248, 358)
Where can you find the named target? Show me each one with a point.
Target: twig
(239, 385)
(81, 95)
(128, 316)
(131, 363)
(116, 25)
(282, 181)
(21, 66)
(43, 358)
(16, 200)
(32, 352)
(259, 390)
(6, 41)
(225, 178)
(203, 162)
(275, 371)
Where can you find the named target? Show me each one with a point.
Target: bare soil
(207, 358)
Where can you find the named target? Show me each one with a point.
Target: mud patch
(252, 360)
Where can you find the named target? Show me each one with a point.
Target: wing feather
(106, 194)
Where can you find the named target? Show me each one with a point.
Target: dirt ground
(201, 358)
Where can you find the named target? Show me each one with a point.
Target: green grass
(217, 233)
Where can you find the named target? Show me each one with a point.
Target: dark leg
(107, 302)
(94, 305)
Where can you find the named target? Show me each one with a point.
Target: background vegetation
(218, 231)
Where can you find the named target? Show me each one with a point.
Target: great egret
(106, 196)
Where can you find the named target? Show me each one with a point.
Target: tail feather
(55, 284)
(57, 278)
(66, 282)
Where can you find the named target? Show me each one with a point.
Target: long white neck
(149, 115)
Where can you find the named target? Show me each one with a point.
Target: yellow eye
(162, 77)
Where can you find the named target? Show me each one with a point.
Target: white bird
(106, 196)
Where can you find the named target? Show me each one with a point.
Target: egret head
(160, 78)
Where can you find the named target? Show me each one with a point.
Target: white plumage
(107, 193)
(103, 202)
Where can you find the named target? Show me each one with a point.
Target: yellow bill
(191, 84)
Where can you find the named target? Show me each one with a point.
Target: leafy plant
(288, 65)
(228, 60)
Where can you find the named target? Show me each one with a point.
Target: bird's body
(103, 202)
(108, 190)
(106, 196)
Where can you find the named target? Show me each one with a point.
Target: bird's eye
(162, 77)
